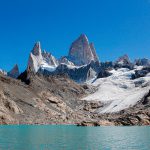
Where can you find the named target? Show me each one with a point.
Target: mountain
(119, 91)
(45, 63)
(104, 93)
(35, 58)
(82, 52)
(14, 73)
(64, 60)
(96, 59)
(3, 72)
(78, 74)
(45, 100)
(123, 60)
(41, 60)
(58, 100)
(142, 62)
(49, 59)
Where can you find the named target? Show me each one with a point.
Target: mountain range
(77, 88)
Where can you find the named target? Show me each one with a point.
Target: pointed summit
(41, 60)
(37, 49)
(94, 52)
(81, 52)
(123, 60)
(35, 58)
(14, 73)
(84, 38)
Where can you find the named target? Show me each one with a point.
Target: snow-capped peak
(142, 62)
(64, 60)
(123, 60)
(3, 72)
(49, 59)
(39, 59)
(49, 62)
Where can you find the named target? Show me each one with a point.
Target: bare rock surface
(82, 52)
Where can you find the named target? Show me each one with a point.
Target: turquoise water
(61, 137)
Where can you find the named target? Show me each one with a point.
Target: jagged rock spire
(82, 52)
(37, 49)
(40, 60)
(35, 58)
(49, 59)
(14, 73)
(94, 52)
(123, 59)
(142, 62)
(64, 60)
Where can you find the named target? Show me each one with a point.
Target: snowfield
(46, 66)
(118, 91)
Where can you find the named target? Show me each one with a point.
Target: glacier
(118, 91)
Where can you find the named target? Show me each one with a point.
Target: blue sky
(116, 27)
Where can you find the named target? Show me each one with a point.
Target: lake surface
(63, 137)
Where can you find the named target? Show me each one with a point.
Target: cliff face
(35, 58)
(82, 52)
(81, 64)
(39, 59)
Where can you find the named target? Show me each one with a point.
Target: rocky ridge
(104, 93)
(45, 63)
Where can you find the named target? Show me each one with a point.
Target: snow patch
(50, 68)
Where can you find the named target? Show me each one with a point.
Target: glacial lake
(69, 137)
